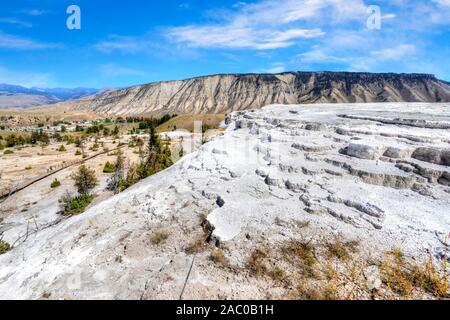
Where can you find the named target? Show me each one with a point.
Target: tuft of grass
(7, 151)
(314, 292)
(28, 167)
(301, 254)
(55, 184)
(109, 167)
(159, 237)
(78, 153)
(62, 149)
(277, 275)
(341, 249)
(195, 246)
(4, 247)
(256, 262)
(218, 256)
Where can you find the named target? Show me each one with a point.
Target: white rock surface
(244, 180)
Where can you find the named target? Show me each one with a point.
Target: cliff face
(226, 93)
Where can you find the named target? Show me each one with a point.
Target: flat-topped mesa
(223, 93)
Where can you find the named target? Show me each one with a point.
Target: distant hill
(230, 92)
(12, 96)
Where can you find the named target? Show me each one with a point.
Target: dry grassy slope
(226, 93)
(187, 122)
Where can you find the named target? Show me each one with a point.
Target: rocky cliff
(226, 93)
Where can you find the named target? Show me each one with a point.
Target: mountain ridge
(14, 96)
(223, 93)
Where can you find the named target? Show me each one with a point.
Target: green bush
(4, 247)
(62, 149)
(78, 153)
(7, 151)
(2, 147)
(55, 184)
(109, 168)
(28, 167)
(85, 180)
(74, 206)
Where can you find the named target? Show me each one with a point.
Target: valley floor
(343, 201)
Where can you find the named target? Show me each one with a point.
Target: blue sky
(122, 43)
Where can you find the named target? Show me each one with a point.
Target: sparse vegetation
(108, 168)
(28, 167)
(159, 237)
(195, 246)
(300, 254)
(341, 249)
(404, 276)
(217, 256)
(55, 184)
(4, 247)
(73, 206)
(78, 153)
(7, 151)
(62, 149)
(84, 180)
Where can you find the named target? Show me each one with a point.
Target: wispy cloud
(126, 44)
(395, 53)
(268, 24)
(34, 12)
(8, 41)
(16, 21)
(114, 70)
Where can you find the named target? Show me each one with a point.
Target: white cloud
(318, 55)
(269, 24)
(239, 4)
(123, 43)
(35, 12)
(114, 70)
(8, 41)
(15, 21)
(240, 38)
(395, 53)
(442, 2)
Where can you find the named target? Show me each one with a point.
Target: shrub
(85, 180)
(159, 237)
(109, 168)
(73, 206)
(78, 153)
(55, 184)
(4, 247)
(62, 149)
(94, 147)
(28, 167)
(7, 151)
(2, 146)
